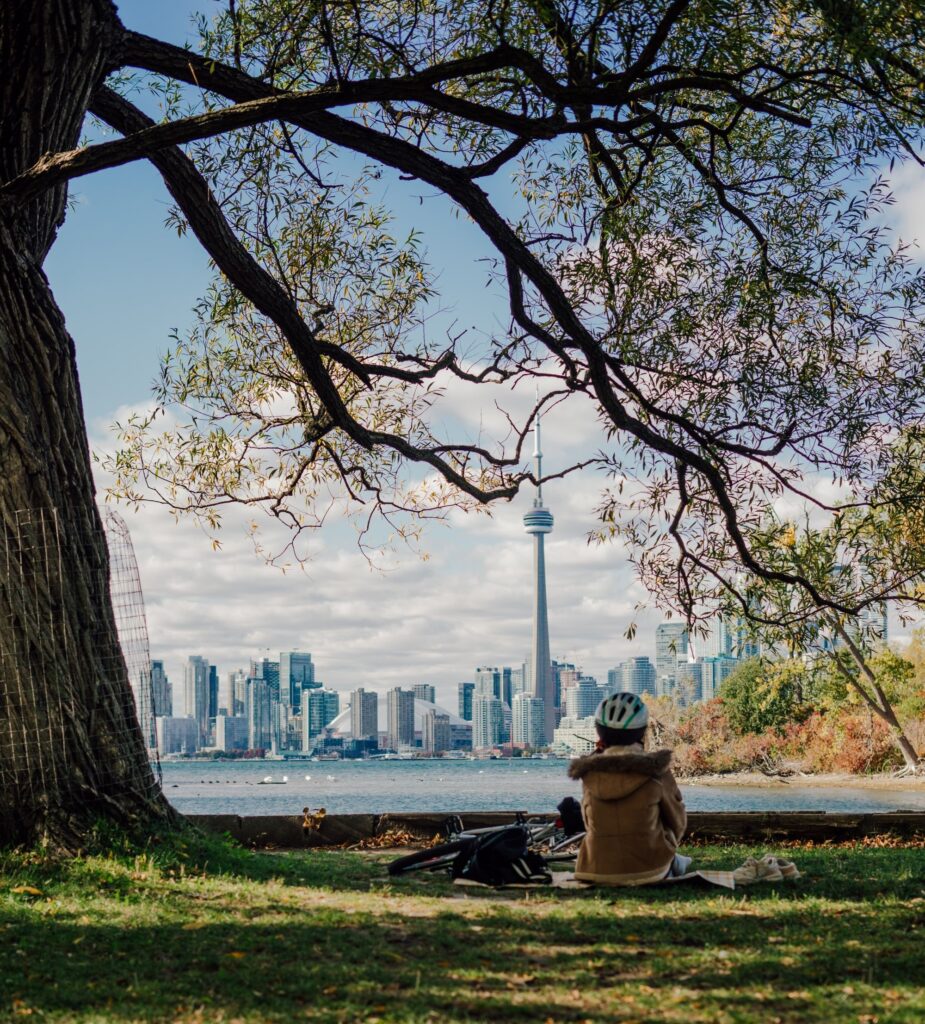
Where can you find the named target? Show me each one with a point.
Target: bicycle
(546, 837)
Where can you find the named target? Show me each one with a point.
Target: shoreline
(822, 780)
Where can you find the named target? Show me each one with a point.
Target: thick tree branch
(192, 194)
(456, 184)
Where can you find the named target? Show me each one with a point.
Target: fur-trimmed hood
(650, 763)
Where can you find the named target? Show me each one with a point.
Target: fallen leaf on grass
(26, 890)
(236, 953)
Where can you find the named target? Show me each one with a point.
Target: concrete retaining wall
(287, 831)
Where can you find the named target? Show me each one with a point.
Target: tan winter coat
(634, 815)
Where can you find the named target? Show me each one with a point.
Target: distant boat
(270, 781)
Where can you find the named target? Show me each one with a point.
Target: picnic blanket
(752, 871)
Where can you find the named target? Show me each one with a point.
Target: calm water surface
(357, 787)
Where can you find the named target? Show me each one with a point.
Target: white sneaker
(787, 868)
(756, 871)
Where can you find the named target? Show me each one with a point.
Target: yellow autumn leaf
(27, 890)
(237, 954)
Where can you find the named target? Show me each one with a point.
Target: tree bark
(71, 750)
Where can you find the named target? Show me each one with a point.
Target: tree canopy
(684, 199)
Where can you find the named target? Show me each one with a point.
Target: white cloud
(433, 621)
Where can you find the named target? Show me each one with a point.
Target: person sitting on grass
(633, 810)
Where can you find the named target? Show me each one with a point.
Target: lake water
(357, 787)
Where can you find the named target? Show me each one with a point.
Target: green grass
(198, 931)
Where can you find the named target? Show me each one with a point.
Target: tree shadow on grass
(598, 960)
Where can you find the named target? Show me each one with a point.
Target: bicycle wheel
(427, 860)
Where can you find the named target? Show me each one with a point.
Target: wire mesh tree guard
(40, 707)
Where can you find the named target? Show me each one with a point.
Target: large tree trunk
(71, 750)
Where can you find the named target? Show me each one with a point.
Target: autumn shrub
(847, 739)
(844, 741)
(706, 743)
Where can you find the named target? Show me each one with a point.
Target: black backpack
(501, 858)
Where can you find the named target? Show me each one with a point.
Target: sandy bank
(827, 779)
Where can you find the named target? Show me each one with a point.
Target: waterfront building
(464, 696)
(575, 736)
(435, 732)
(262, 722)
(718, 642)
(196, 695)
(528, 721)
(637, 675)
(670, 652)
(537, 523)
(518, 681)
(425, 691)
(460, 735)
(320, 706)
(161, 691)
(231, 733)
(176, 735)
(268, 671)
(237, 685)
(488, 681)
(688, 688)
(582, 698)
(364, 715)
(213, 692)
(296, 673)
(400, 705)
(487, 722)
(563, 675)
(713, 673)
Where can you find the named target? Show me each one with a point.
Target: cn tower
(538, 522)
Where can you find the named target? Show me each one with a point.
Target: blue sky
(125, 281)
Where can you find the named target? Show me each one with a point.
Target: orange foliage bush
(847, 740)
(704, 743)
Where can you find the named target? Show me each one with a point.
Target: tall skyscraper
(528, 720)
(564, 675)
(425, 691)
(689, 684)
(670, 653)
(487, 722)
(718, 642)
(435, 734)
(319, 706)
(364, 715)
(161, 691)
(582, 699)
(296, 673)
(465, 691)
(488, 681)
(196, 694)
(538, 522)
(213, 691)
(400, 705)
(713, 673)
(237, 685)
(637, 675)
(260, 714)
(268, 671)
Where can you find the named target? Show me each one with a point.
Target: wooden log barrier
(340, 830)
